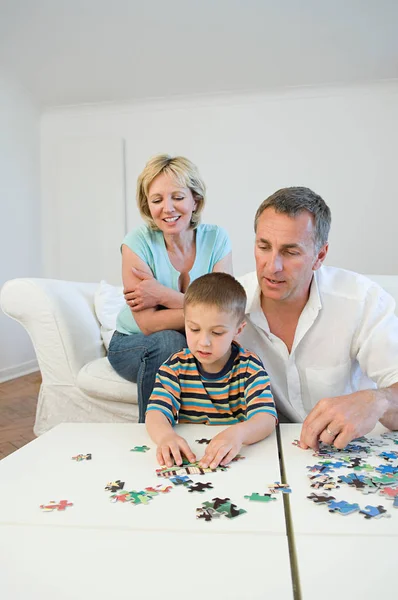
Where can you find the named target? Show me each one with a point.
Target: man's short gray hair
(292, 201)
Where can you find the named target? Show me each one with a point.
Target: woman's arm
(224, 265)
(149, 320)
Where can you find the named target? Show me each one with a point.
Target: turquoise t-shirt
(212, 244)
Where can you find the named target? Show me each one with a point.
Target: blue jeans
(137, 357)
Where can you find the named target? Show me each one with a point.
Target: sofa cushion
(99, 380)
(108, 301)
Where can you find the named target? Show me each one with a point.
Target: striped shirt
(184, 393)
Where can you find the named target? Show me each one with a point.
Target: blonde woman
(159, 260)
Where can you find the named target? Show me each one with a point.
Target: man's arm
(339, 420)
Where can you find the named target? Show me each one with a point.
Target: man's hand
(222, 448)
(339, 420)
(146, 294)
(170, 448)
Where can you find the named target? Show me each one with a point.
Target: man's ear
(320, 257)
(240, 328)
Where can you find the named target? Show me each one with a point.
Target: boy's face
(210, 332)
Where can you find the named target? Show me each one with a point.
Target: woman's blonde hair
(183, 171)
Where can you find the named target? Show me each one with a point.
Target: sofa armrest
(59, 316)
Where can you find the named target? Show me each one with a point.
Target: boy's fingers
(227, 459)
(207, 457)
(219, 457)
(159, 457)
(165, 450)
(177, 455)
(187, 451)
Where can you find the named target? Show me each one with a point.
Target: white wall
(342, 142)
(20, 250)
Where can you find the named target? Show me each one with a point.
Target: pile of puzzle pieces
(360, 474)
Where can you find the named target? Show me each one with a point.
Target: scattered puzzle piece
(226, 506)
(256, 497)
(113, 486)
(180, 480)
(52, 505)
(374, 512)
(159, 489)
(200, 487)
(343, 507)
(80, 457)
(320, 498)
(140, 449)
(280, 487)
(203, 441)
(208, 514)
(238, 457)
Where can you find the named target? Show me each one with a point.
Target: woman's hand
(146, 294)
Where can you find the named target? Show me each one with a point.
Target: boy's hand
(170, 447)
(222, 448)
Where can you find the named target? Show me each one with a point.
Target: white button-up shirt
(346, 340)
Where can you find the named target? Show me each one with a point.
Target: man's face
(285, 255)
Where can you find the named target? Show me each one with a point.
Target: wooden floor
(18, 401)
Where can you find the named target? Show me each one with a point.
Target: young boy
(213, 381)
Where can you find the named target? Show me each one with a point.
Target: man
(327, 336)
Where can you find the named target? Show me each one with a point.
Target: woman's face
(170, 205)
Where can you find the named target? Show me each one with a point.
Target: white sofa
(79, 385)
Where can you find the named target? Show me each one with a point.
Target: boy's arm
(162, 411)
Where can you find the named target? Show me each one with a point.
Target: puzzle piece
(280, 487)
(343, 507)
(226, 506)
(159, 489)
(320, 498)
(385, 469)
(140, 449)
(208, 514)
(325, 482)
(353, 480)
(388, 456)
(256, 497)
(389, 492)
(132, 497)
(180, 480)
(113, 486)
(237, 457)
(374, 512)
(200, 487)
(203, 441)
(189, 469)
(324, 469)
(58, 506)
(80, 457)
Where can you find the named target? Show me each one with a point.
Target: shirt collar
(255, 312)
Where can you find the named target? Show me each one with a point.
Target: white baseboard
(18, 370)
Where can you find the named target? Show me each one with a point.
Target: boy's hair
(220, 290)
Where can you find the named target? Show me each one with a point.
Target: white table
(97, 548)
(338, 556)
